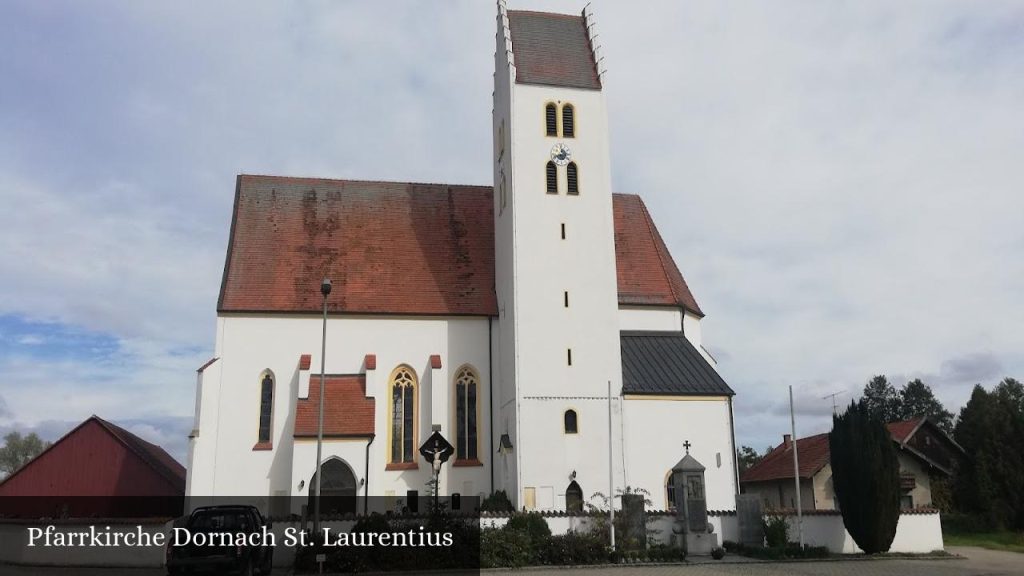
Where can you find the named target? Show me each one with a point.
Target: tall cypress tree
(865, 476)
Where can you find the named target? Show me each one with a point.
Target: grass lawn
(1009, 541)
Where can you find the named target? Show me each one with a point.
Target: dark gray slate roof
(552, 49)
(667, 363)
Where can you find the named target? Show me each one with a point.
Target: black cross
(687, 446)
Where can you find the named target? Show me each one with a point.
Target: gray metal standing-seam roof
(667, 363)
(552, 49)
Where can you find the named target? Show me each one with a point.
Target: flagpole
(796, 471)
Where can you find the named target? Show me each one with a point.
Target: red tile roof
(902, 430)
(399, 248)
(646, 271)
(347, 412)
(552, 49)
(812, 451)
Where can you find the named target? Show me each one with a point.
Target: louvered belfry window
(552, 175)
(568, 121)
(551, 120)
(573, 178)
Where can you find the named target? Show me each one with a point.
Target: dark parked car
(206, 549)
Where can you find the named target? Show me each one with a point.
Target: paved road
(979, 562)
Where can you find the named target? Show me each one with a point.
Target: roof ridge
(364, 181)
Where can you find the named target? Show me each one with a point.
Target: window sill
(461, 463)
(263, 446)
(402, 466)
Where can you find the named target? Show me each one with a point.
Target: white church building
(499, 315)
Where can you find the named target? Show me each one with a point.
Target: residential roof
(814, 453)
(778, 464)
(401, 248)
(347, 411)
(667, 363)
(552, 49)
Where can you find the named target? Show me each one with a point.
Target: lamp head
(325, 287)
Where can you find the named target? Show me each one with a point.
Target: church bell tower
(556, 343)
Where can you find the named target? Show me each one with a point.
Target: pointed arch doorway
(338, 490)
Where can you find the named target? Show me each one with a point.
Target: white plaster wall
(545, 266)
(224, 460)
(922, 492)
(652, 318)
(556, 455)
(654, 434)
(915, 533)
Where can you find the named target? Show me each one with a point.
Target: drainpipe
(366, 476)
(490, 397)
(735, 463)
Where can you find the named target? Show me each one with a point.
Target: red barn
(98, 469)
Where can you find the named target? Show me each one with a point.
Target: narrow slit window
(550, 120)
(552, 176)
(569, 356)
(572, 178)
(266, 407)
(568, 121)
(563, 231)
(566, 298)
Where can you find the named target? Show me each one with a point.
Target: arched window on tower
(551, 119)
(403, 415)
(572, 178)
(568, 121)
(466, 410)
(266, 406)
(552, 176)
(573, 497)
(570, 422)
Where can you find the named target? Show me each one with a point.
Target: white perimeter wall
(915, 533)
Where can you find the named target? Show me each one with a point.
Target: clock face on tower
(560, 154)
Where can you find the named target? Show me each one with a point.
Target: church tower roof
(553, 50)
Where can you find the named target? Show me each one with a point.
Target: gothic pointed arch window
(266, 406)
(569, 421)
(551, 172)
(573, 179)
(551, 119)
(568, 121)
(467, 412)
(573, 497)
(403, 387)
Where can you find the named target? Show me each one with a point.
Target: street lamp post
(325, 289)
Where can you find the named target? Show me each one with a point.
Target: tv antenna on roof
(833, 397)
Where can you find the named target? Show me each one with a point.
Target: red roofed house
(122, 474)
(924, 452)
(498, 315)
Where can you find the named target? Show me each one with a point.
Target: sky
(839, 182)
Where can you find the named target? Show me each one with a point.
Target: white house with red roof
(924, 452)
(501, 316)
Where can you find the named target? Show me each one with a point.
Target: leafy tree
(747, 457)
(989, 480)
(917, 399)
(881, 399)
(865, 475)
(18, 450)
